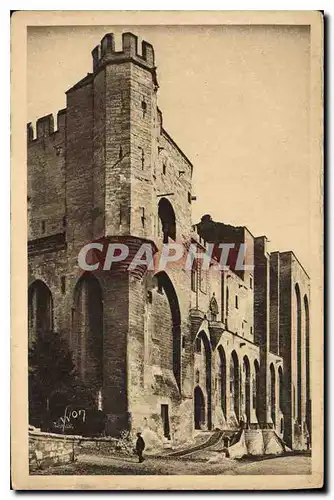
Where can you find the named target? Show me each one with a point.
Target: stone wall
(46, 449)
(102, 174)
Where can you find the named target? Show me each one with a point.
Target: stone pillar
(261, 322)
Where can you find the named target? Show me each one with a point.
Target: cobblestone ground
(97, 465)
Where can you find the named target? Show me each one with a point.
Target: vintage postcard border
(19, 415)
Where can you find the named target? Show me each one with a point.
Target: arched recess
(222, 359)
(40, 309)
(299, 353)
(235, 384)
(273, 393)
(247, 382)
(256, 388)
(199, 408)
(166, 286)
(168, 221)
(202, 336)
(281, 390)
(281, 404)
(87, 331)
(307, 364)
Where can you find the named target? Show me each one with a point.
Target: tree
(53, 382)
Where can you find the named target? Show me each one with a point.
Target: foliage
(53, 382)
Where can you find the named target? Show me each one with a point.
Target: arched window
(299, 354)
(167, 217)
(40, 309)
(87, 331)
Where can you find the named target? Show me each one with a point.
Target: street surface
(113, 465)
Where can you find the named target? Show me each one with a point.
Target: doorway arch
(204, 340)
(199, 408)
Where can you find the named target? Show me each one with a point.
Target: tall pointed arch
(273, 393)
(87, 330)
(247, 387)
(307, 363)
(299, 353)
(166, 286)
(222, 359)
(40, 309)
(235, 384)
(204, 340)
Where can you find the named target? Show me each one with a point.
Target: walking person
(140, 447)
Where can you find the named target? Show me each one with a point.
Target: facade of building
(174, 351)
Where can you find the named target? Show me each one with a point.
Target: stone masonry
(174, 352)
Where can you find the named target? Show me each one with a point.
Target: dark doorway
(199, 412)
(165, 420)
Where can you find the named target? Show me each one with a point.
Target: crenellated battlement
(105, 52)
(45, 126)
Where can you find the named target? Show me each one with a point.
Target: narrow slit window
(144, 108)
(63, 284)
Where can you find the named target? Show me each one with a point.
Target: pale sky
(235, 99)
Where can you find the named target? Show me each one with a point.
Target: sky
(236, 99)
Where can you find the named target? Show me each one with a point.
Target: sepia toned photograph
(170, 289)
